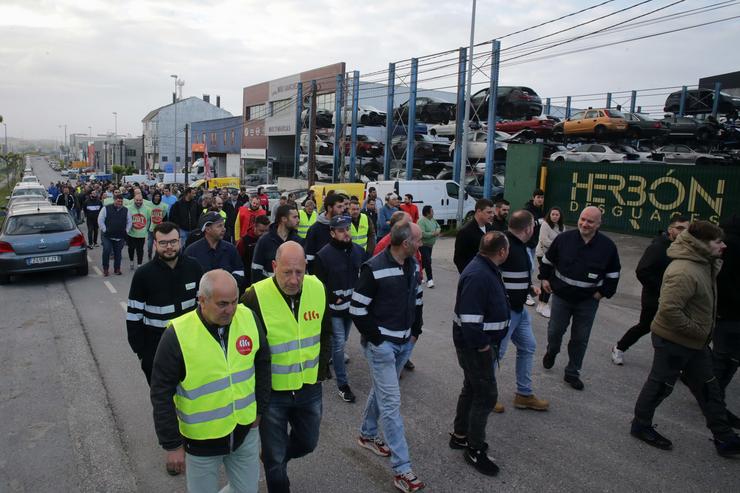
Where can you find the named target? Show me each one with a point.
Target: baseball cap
(340, 222)
(207, 219)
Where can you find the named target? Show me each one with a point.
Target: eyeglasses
(166, 243)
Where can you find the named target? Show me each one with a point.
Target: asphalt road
(77, 417)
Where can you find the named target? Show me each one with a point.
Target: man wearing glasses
(649, 272)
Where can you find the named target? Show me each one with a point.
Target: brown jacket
(688, 296)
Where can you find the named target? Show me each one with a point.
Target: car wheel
(424, 117)
(633, 133)
(82, 270)
(702, 161)
(363, 119)
(4, 278)
(559, 160)
(599, 131)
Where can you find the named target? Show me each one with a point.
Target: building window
(232, 137)
(177, 159)
(256, 112)
(281, 106)
(164, 159)
(224, 137)
(213, 138)
(203, 140)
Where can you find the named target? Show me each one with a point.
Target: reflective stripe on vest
(359, 234)
(305, 222)
(218, 392)
(294, 344)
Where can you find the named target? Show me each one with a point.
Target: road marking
(110, 287)
(97, 270)
(89, 258)
(124, 306)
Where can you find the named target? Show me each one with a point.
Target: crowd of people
(243, 310)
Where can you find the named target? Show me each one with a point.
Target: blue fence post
(462, 68)
(567, 107)
(715, 103)
(298, 129)
(548, 105)
(388, 154)
(338, 138)
(491, 135)
(410, 134)
(682, 102)
(353, 138)
(608, 100)
(633, 101)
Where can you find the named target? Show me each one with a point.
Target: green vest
(157, 213)
(108, 201)
(221, 213)
(305, 222)
(140, 219)
(218, 392)
(359, 234)
(294, 344)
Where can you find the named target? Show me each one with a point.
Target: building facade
(223, 140)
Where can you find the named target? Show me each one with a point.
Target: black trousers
(92, 231)
(544, 296)
(726, 351)
(426, 260)
(633, 334)
(671, 360)
(478, 395)
(136, 245)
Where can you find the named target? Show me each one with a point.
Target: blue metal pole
(715, 103)
(608, 100)
(460, 117)
(298, 129)
(682, 103)
(567, 107)
(388, 154)
(548, 105)
(338, 140)
(355, 106)
(410, 134)
(491, 135)
(633, 101)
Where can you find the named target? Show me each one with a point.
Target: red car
(366, 146)
(538, 126)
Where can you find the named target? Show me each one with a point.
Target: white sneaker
(617, 356)
(430, 283)
(530, 301)
(545, 311)
(539, 307)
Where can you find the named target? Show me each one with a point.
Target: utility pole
(121, 152)
(466, 125)
(312, 137)
(66, 154)
(115, 124)
(174, 135)
(187, 134)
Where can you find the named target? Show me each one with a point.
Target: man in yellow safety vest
(363, 230)
(210, 385)
(306, 217)
(291, 306)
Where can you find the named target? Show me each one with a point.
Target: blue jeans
(302, 411)
(149, 244)
(580, 315)
(183, 238)
(384, 400)
(242, 468)
(112, 246)
(520, 333)
(340, 327)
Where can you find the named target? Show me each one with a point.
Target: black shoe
(648, 435)
(346, 394)
(172, 472)
(409, 365)
(733, 420)
(548, 361)
(574, 382)
(729, 447)
(89, 247)
(480, 460)
(457, 442)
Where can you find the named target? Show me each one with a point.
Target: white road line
(123, 305)
(110, 287)
(97, 270)
(89, 258)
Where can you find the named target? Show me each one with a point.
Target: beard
(168, 257)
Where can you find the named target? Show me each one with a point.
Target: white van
(442, 195)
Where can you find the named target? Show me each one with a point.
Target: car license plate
(43, 260)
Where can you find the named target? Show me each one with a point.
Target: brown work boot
(499, 408)
(530, 402)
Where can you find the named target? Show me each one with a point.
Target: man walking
(140, 221)
(212, 252)
(362, 228)
(185, 214)
(161, 290)
(157, 215)
(385, 213)
(500, 215)
(337, 266)
(581, 267)
(114, 221)
(386, 308)
(306, 218)
(681, 330)
(468, 237)
(291, 306)
(93, 206)
(410, 208)
(283, 229)
(246, 216)
(480, 323)
(650, 269)
(430, 231)
(248, 243)
(318, 234)
(210, 385)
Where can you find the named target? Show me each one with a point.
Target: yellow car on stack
(598, 122)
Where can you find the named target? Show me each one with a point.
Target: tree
(118, 170)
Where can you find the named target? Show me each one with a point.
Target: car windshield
(29, 191)
(28, 224)
(614, 114)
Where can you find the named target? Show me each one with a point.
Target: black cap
(342, 222)
(207, 219)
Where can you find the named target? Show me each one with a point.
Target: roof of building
(156, 111)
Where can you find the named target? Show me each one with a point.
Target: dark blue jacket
(338, 266)
(577, 270)
(264, 253)
(317, 236)
(224, 256)
(517, 273)
(481, 307)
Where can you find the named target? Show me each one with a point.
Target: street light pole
(466, 125)
(174, 135)
(66, 154)
(115, 124)
(6, 136)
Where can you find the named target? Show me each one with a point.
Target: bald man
(581, 267)
(291, 306)
(220, 341)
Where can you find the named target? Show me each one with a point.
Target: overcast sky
(75, 62)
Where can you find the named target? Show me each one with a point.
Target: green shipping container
(641, 198)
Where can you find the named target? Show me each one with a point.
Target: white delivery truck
(442, 195)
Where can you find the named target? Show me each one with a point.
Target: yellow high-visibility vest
(305, 222)
(359, 234)
(218, 390)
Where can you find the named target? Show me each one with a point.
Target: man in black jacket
(285, 228)
(468, 237)
(335, 204)
(500, 215)
(185, 214)
(93, 205)
(649, 272)
(195, 441)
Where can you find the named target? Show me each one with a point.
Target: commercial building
(222, 138)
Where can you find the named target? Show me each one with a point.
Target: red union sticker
(244, 345)
(312, 315)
